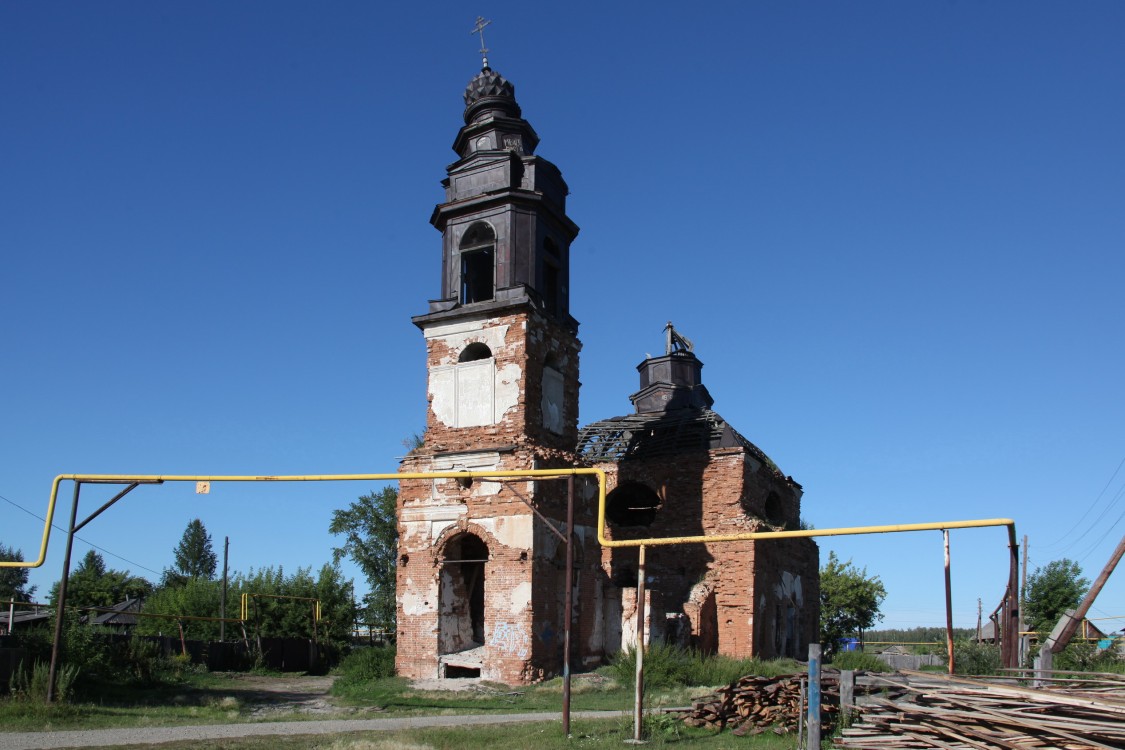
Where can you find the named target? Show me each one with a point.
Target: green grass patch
(860, 661)
(600, 733)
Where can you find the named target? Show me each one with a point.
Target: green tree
(1051, 590)
(283, 606)
(13, 581)
(196, 597)
(370, 530)
(91, 584)
(849, 602)
(193, 556)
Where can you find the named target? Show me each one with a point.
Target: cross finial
(479, 29)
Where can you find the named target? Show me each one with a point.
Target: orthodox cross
(479, 29)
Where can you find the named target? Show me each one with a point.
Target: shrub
(860, 661)
(367, 664)
(970, 657)
(1085, 657)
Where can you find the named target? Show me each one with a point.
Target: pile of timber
(934, 711)
(751, 704)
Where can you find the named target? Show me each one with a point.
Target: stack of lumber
(752, 704)
(935, 711)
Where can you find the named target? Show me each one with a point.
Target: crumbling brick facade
(482, 561)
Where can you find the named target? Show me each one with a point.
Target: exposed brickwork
(524, 574)
(481, 567)
(737, 597)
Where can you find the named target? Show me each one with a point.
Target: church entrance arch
(461, 596)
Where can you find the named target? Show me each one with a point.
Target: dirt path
(267, 696)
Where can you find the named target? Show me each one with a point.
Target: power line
(1077, 523)
(85, 541)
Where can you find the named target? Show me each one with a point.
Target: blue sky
(894, 232)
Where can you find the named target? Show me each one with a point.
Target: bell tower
(479, 579)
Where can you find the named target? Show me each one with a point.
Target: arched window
(474, 352)
(632, 504)
(478, 261)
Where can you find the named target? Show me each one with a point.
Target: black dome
(490, 90)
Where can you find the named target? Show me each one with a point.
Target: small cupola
(673, 381)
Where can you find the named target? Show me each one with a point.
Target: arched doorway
(461, 613)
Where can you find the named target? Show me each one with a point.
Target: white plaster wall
(511, 531)
(476, 393)
(420, 599)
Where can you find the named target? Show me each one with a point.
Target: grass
(588, 693)
(601, 733)
(194, 702)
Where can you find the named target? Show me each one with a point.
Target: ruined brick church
(481, 564)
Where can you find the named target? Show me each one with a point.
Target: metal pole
(814, 697)
(11, 615)
(568, 607)
(639, 687)
(223, 595)
(1022, 627)
(60, 605)
(948, 603)
(1008, 647)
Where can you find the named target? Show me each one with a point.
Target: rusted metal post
(639, 687)
(948, 603)
(1022, 624)
(568, 612)
(1009, 652)
(60, 605)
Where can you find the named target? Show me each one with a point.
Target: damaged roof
(653, 434)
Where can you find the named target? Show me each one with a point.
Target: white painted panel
(443, 395)
(475, 405)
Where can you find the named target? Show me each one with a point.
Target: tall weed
(670, 666)
(31, 684)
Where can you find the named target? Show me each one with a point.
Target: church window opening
(474, 352)
(462, 594)
(478, 262)
(632, 504)
(775, 511)
(554, 393)
(551, 287)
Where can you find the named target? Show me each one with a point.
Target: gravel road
(156, 735)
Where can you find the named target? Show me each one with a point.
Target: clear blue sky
(893, 230)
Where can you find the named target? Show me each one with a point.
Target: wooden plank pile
(935, 711)
(752, 704)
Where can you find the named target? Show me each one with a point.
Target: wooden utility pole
(1057, 643)
(223, 596)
